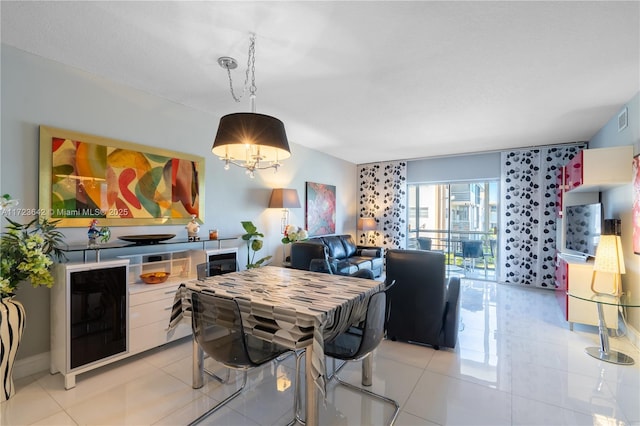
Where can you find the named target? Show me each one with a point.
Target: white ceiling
(364, 81)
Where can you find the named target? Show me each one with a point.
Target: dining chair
(387, 286)
(217, 328)
(205, 270)
(424, 243)
(359, 328)
(493, 248)
(471, 251)
(356, 344)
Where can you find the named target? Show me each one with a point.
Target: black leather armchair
(423, 306)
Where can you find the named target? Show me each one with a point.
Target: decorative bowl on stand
(146, 238)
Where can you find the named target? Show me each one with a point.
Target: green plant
(26, 252)
(254, 244)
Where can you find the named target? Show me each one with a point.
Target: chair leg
(335, 370)
(334, 374)
(372, 394)
(298, 418)
(218, 378)
(220, 404)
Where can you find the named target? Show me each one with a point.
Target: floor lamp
(285, 199)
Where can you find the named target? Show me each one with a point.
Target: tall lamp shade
(609, 259)
(367, 224)
(285, 199)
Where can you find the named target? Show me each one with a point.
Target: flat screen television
(583, 226)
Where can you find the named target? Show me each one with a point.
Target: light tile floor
(516, 363)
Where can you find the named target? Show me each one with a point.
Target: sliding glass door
(459, 219)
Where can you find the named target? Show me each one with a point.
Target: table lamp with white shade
(366, 224)
(609, 260)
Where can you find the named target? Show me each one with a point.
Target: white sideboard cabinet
(102, 312)
(89, 317)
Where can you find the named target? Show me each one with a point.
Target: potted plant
(26, 254)
(254, 244)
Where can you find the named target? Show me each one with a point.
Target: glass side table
(603, 352)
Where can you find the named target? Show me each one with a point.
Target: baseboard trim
(634, 336)
(31, 365)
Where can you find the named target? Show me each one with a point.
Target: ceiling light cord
(230, 63)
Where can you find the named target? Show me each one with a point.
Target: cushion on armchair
(369, 252)
(334, 245)
(349, 245)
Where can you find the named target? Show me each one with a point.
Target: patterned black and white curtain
(382, 194)
(528, 215)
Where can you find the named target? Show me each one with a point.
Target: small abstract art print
(321, 209)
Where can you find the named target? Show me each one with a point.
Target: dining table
(297, 309)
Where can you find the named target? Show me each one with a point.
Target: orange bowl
(154, 277)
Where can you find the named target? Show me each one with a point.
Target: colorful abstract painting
(117, 182)
(321, 209)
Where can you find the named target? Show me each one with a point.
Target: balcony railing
(450, 243)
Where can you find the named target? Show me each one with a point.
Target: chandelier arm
(256, 166)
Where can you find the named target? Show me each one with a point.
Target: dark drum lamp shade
(251, 137)
(284, 198)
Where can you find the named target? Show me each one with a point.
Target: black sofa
(340, 252)
(423, 306)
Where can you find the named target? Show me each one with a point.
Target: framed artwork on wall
(321, 209)
(635, 211)
(119, 183)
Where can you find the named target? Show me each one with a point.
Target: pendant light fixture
(247, 139)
